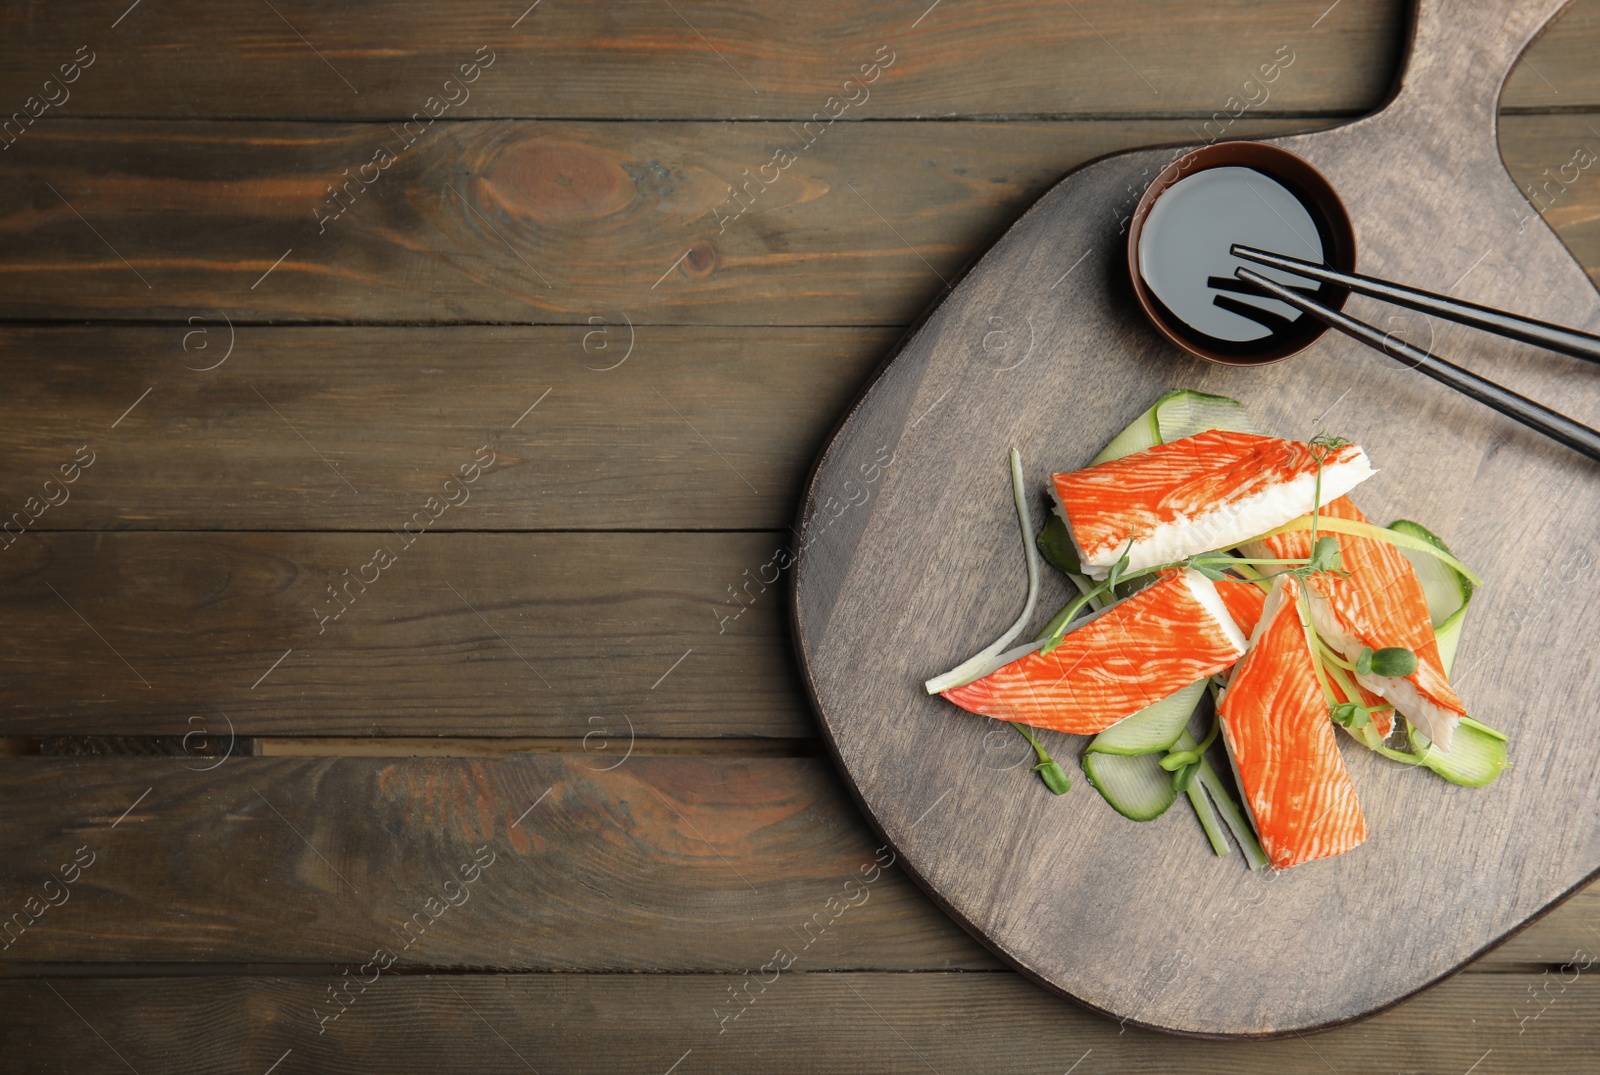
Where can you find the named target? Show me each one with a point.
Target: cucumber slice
(1185, 413)
(1208, 819)
(1493, 733)
(1448, 590)
(1154, 728)
(1143, 433)
(1238, 821)
(1055, 541)
(1136, 786)
(1178, 414)
(1202, 802)
(1477, 754)
(1448, 635)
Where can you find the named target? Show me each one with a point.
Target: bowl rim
(1303, 180)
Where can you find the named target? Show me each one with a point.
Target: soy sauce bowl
(1322, 206)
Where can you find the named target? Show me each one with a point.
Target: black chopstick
(1569, 341)
(1228, 283)
(1556, 426)
(1270, 320)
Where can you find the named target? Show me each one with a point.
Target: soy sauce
(1185, 263)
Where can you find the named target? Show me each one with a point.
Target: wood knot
(700, 261)
(557, 183)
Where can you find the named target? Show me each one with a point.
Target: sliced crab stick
(1244, 601)
(1378, 603)
(1209, 491)
(1125, 657)
(1282, 745)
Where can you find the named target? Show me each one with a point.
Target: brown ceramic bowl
(1320, 201)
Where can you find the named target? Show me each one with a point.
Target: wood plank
(443, 747)
(654, 864)
(658, 864)
(1572, 927)
(760, 59)
(695, 429)
(1556, 162)
(202, 745)
(1559, 70)
(464, 634)
(644, 62)
(549, 222)
(776, 391)
(621, 219)
(915, 582)
(848, 1023)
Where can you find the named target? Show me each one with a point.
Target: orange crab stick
(1244, 601)
(1127, 656)
(1275, 723)
(1209, 491)
(1378, 603)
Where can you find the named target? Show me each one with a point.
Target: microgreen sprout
(1184, 765)
(1177, 759)
(1313, 642)
(1350, 712)
(1215, 565)
(1325, 556)
(1352, 715)
(1056, 629)
(1321, 445)
(1391, 661)
(1055, 778)
(1114, 576)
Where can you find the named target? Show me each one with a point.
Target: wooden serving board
(909, 567)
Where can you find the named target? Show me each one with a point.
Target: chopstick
(1556, 426)
(1569, 341)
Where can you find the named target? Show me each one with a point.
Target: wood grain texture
(652, 864)
(203, 876)
(465, 634)
(760, 59)
(543, 222)
(658, 864)
(400, 746)
(814, 1023)
(1553, 161)
(1021, 57)
(635, 427)
(889, 599)
(621, 219)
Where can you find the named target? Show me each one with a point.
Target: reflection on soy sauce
(1185, 262)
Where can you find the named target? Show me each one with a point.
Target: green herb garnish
(1351, 714)
(1179, 759)
(1055, 778)
(1390, 662)
(1056, 629)
(1055, 541)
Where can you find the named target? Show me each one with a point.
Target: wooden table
(403, 406)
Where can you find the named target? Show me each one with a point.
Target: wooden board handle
(1462, 52)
